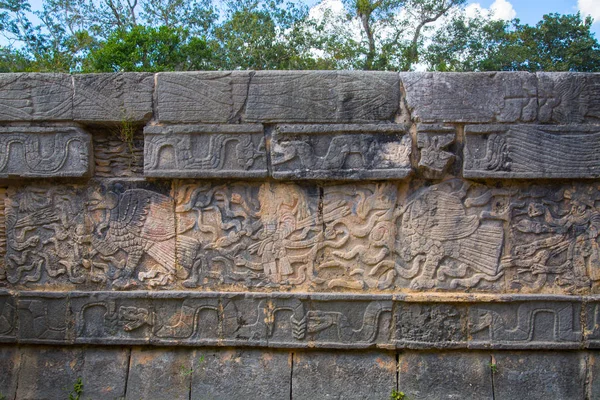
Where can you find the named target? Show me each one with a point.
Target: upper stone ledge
(323, 96)
(36, 97)
(477, 97)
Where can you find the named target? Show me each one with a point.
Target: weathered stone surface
(205, 151)
(445, 376)
(567, 98)
(331, 152)
(122, 98)
(524, 325)
(8, 317)
(36, 97)
(10, 363)
(540, 375)
(115, 156)
(159, 374)
(471, 97)
(324, 96)
(49, 373)
(28, 152)
(104, 373)
(241, 374)
(344, 376)
(43, 318)
(193, 97)
(434, 142)
(532, 151)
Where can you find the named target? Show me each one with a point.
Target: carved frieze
(532, 151)
(205, 151)
(341, 152)
(37, 152)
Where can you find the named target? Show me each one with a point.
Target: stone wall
(277, 235)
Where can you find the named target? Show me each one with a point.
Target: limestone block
(104, 373)
(445, 376)
(49, 373)
(368, 375)
(36, 97)
(119, 98)
(434, 142)
(205, 151)
(8, 318)
(159, 374)
(341, 152)
(532, 151)
(471, 97)
(539, 375)
(244, 374)
(323, 96)
(567, 98)
(10, 362)
(194, 97)
(32, 152)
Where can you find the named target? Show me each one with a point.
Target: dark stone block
(119, 98)
(445, 376)
(49, 373)
(539, 375)
(10, 361)
(104, 374)
(323, 96)
(159, 374)
(241, 374)
(343, 376)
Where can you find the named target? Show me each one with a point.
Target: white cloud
(499, 10)
(590, 7)
(502, 9)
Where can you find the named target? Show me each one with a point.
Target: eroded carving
(434, 142)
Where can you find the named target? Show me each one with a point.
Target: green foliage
(150, 49)
(396, 395)
(557, 43)
(180, 35)
(77, 391)
(493, 368)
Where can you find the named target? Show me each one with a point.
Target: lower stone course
(140, 373)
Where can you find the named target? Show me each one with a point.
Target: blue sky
(528, 11)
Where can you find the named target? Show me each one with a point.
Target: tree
(150, 49)
(556, 43)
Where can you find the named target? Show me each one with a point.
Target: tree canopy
(180, 35)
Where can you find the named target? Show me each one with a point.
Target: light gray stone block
(434, 376)
(322, 96)
(341, 152)
(119, 98)
(567, 98)
(241, 374)
(205, 151)
(36, 97)
(436, 155)
(471, 97)
(370, 375)
(53, 152)
(194, 97)
(532, 151)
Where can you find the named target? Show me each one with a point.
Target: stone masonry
(300, 235)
